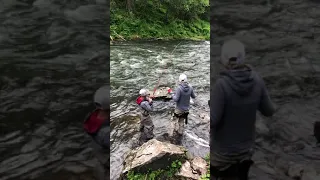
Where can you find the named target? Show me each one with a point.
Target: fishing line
(165, 67)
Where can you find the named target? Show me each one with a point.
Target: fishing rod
(155, 88)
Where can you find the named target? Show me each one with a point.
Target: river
(52, 58)
(136, 65)
(282, 42)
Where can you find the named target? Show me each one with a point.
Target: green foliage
(207, 175)
(187, 9)
(151, 19)
(167, 173)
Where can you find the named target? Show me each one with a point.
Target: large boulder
(153, 155)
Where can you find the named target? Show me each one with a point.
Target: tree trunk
(130, 5)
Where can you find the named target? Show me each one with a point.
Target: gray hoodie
(235, 99)
(182, 96)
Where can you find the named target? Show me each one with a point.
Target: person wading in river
(182, 97)
(146, 125)
(237, 94)
(97, 125)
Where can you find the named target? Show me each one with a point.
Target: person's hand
(191, 102)
(150, 99)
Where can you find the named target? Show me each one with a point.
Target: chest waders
(146, 127)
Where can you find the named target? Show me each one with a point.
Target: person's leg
(244, 168)
(178, 129)
(222, 167)
(102, 164)
(148, 128)
(181, 125)
(180, 121)
(235, 167)
(99, 171)
(142, 138)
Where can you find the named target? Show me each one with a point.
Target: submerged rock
(153, 155)
(303, 172)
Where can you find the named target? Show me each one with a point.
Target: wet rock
(153, 155)
(310, 174)
(316, 131)
(205, 117)
(32, 145)
(199, 164)
(295, 171)
(193, 169)
(6, 4)
(266, 168)
(186, 171)
(42, 3)
(85, 13)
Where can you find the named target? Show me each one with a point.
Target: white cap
(102, 97)
(183, 78)
(233, 49)
(143, 92)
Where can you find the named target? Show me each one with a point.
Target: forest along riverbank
(136, 65)
(282, 45)
(52, 59)
(146, 19)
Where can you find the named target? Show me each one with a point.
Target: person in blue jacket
(182, 96)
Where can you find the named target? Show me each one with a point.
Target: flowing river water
(283, 45)
(136, 65)
(53, 57)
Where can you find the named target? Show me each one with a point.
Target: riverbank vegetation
(160, 19)
(167, 173)
(207, 175)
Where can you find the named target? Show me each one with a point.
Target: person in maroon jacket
(97, 125)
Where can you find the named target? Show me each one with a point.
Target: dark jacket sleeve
(146, 106)
(266, 106)
(103, 137)
(193, 96)
(217, 102)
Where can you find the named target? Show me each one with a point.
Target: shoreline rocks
(154, 155)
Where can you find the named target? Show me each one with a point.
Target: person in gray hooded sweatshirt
(235, 98)
(182, 98)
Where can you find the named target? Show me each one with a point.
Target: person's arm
(217, 102)
(176, 96)
(193, 96)
(266, 106)
(147, 106)
(103, 137)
